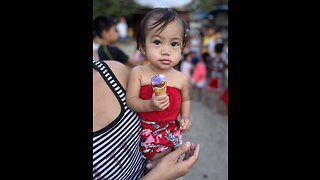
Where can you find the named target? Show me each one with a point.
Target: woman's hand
(171, 166)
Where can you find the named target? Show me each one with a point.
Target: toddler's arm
(134, 102)
(185, 123)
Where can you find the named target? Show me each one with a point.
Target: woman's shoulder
(116, 65)
(119, 70)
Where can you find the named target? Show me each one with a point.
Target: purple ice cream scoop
(157, 80)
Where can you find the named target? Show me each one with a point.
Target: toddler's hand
(159, 103)
(185, 124)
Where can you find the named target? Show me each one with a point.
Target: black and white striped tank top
(116, 153)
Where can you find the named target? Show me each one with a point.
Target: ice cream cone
(160, 90)
(159, 84)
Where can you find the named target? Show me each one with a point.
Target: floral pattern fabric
(159, 136)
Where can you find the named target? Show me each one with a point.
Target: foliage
(114, 8)
(206, 5)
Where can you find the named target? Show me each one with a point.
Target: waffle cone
(160, 90)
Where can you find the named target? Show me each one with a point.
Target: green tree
(207, 5)
(114, 8)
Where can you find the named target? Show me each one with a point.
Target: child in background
(195, 43)
(216, 78)
(161, 38)
(105, 27)
(96, 44)
(199, 78)
(224, 99)
(186, 66)
(139, 57)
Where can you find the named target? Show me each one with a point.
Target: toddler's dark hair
(101, 23)
(162, 17)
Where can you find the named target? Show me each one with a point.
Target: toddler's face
(164, 50)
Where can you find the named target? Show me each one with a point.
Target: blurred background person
(209, 65)
(195, 58)
(195, 43)
(105, 27)
(96, 45)
(139, 57)
(186, 66)
(216, 77)
(122, 28)
(225, 51)
(224, 97)
(215, 39)
(199, 77)
(208, 40)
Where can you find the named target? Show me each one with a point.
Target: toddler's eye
(174, 44)
(156, 42)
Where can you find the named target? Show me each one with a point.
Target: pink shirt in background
(199, 74)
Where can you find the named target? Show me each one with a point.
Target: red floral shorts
(159, 136)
